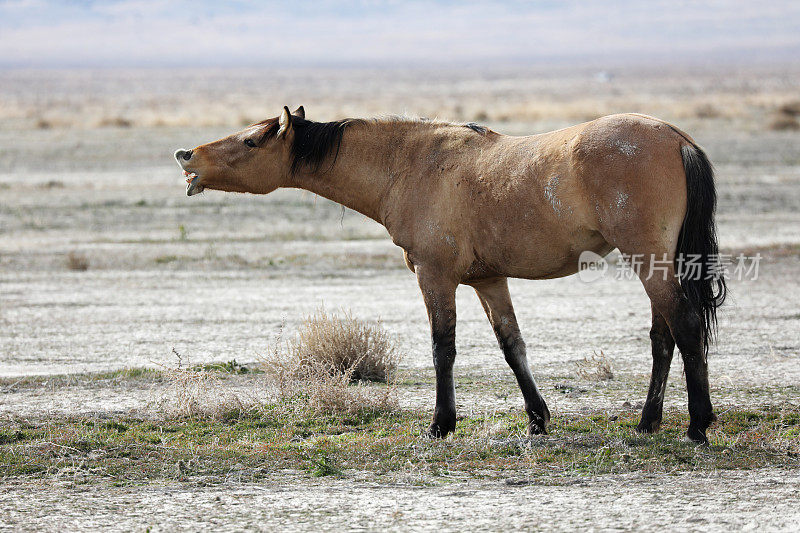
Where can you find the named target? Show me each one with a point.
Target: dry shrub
(791, 109)
(114, 122)
(595, 368)
(324, 367)
(345, 346)
(51, 184)
(707, 111)
(77, 261)
(783, 122)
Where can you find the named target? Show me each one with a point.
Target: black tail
(700, 273)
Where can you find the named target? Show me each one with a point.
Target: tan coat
(469, 205)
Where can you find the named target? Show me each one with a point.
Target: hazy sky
(43, 33)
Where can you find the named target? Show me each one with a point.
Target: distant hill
(144, 33)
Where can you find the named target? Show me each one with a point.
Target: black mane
(313, 141)
(477, 128)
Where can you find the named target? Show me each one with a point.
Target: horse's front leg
(496, 301)
(439, 292)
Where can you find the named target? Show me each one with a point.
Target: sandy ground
(99, 320)
(218, 277)
(721, 501)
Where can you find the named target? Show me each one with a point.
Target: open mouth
(193, 186)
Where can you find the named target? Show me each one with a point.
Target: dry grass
(213, 99)
(541, 109)
(77, 261)
(311, 386)
(323, 371)
(199, 393)
(595, 368)
(114, 122)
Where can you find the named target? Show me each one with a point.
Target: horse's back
(594, 186)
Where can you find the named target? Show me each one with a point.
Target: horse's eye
(250, 143)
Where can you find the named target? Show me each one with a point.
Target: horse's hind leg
(686, 327)
(496, 301)
(663, 347)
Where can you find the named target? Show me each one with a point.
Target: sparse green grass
(128, 375)
(166, 259)
(256, 440)
(322, 466)
(227, 367)
(280, 437)
(351, 260)
(68, 380)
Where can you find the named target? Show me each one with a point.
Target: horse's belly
(540, 257)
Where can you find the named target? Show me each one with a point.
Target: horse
(471, 206)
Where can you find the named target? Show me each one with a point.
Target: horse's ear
(300, 112)
(284, 122)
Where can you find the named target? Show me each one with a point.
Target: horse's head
(256, 159)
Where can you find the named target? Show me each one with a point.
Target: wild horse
(471, 206)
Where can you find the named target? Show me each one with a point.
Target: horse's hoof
(697, 436)
(648, 426)
(439, 431)
(697, 428)
(537, 425)
(534, 429)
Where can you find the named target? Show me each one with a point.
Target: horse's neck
(363, 171)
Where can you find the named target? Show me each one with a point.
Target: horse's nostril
(183, 154)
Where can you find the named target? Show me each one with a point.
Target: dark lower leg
(687, 331)
(686, 327)
(440, 301)
(444, 355)
(496, 301)
(535, 406)
(701, 413)
(663, 346)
